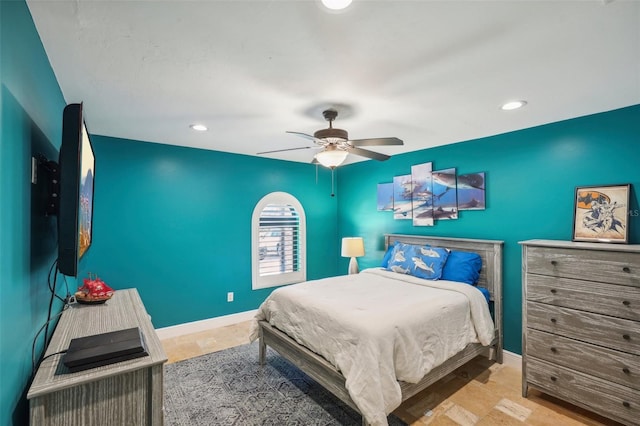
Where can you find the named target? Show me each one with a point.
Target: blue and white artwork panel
(445, 201)
(471, 191)
(422, 194)
(402, 190)
(385, 197)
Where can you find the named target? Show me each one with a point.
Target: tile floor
(479, 393)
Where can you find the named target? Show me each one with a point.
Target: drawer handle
(626, 337)
(554, 350)
(554, 378)
(554, 291)
(625, 370)
(626, 303)
(553, 320)
(626, 269)
(626, 404)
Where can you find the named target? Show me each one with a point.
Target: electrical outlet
(230, 296)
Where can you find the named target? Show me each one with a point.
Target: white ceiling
(428, 72)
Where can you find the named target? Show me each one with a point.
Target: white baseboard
(203, 325)
(512, 360)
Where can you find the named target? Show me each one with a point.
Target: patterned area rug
(230, 388)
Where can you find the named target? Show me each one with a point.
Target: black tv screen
(77, 169)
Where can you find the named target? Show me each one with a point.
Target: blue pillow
(428, 262)
(400, 258)
(387, 255)
(485, 292)
(462, 266)
(419, 261)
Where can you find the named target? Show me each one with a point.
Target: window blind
(278, 244)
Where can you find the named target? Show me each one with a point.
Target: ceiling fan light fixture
(331, 157)
(336, 4)
(332, 135)
(337, 145)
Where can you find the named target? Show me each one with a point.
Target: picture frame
(601, 213)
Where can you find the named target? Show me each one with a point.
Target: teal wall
(176, 224)
(173, 222)
(531, 177)
(30, 122)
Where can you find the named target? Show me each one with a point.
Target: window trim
(260, 282)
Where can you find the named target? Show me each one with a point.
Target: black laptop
(103, 349)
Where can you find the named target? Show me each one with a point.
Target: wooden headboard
(489, 250)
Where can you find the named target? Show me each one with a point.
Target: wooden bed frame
(320, 370)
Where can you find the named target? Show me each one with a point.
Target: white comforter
(378, 327)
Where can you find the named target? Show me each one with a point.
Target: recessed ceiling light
(513, 105)
(199, 127)
(336, 4)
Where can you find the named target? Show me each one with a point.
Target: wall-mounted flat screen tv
(77, 171)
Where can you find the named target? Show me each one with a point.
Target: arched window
(278, 241)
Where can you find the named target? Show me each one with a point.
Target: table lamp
(352, 247)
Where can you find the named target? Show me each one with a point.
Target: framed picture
(601, 213)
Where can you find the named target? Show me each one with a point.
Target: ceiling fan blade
(376, 142)
(369, 154)
(304, 135)
(288, 149)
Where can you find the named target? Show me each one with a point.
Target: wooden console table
(125, 393)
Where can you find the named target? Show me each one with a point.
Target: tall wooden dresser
(581, 325)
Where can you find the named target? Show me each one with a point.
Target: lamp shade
(352, 247)
(331, 157)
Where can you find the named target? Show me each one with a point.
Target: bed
(370, 363)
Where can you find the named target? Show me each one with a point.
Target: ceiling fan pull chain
(333, 169)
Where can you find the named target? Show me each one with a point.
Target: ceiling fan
(336, 145)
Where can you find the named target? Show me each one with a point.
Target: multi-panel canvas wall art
(425, 195)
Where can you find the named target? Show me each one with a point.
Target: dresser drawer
(616, 333)
(615, 401)
(608, 299)
(616, 366)
(592, 265)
